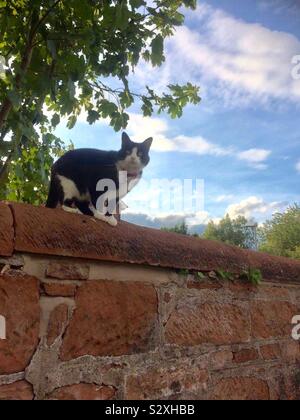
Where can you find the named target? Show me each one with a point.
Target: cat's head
(134, 157)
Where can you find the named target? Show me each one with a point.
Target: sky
(243, 140)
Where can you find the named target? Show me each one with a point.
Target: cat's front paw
(112, 221)
(100, 216)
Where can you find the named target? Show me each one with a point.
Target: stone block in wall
(291, 385)
(246, 355)
(241, 388)
(18, 391)
(221, 359)
(83, 392)
(272, 319)
(112, 319)
(167, 382)
(19, 304)
(59, 289)
(193, 323)
(291, 351)
(270, 351)
(67, 271)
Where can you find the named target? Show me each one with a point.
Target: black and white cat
(75, 177)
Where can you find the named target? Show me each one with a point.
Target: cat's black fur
(85, 167)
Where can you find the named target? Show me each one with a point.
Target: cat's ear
(148, 143)
(126, 142)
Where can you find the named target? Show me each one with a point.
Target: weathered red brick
(291, 386)
(165, 382)
(241, 287)
(19, 304)
(57, 322)
(270, 351)
(271, 319)
(291, 351)
(246, 355)
(241, 389)
(84, 392)
(18, 391)
(67, 271)
(193, 323)
(220, 359)
(59, 289)
(6, 231)
(273, 292)
(112, 318)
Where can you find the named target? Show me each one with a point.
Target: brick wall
(107, 327)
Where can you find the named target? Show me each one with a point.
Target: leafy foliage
(254, 276)
(281, 235)
(181, 228)
(225, 275)
(66, 57)
(229, 231)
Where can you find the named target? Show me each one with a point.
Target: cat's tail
(54, 193)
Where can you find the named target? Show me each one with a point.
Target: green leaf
(5, 147)
(15, 98)
(93, 116)
(72, 122)
(122, 15)
(157, 46)
(135, 4)
(55, 120)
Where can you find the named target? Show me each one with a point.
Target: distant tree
(181, 228)
(230, 231)
(62, 58)
(281, 235)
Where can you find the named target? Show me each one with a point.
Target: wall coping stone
(38, 230)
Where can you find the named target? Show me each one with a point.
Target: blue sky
(243, 139)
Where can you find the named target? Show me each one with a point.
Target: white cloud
(199, 218)
(255, 157)
(224, 198)
(245, 61)
(298, 166)
(254, 207)
(139, 127)
(160, 220)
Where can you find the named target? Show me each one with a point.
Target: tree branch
(4, 168)
(26, 61)
(42, 20)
